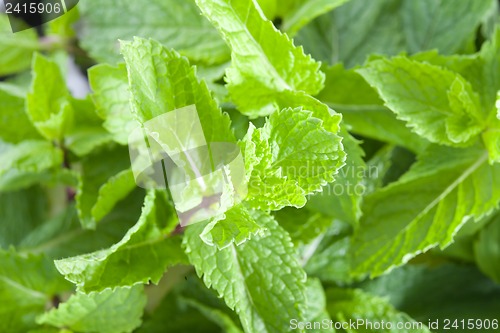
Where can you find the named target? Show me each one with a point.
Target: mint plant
(370, 145)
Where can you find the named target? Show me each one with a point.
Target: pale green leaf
(176, 24)
(255, 278)
(436, 103)
(425, 208)
(334, 38)
(15, 125)
(290, 157)
(110, 311)
(237, 225)
(27, 163)
(161, 81)
(363, 111)
(441, 25)
(16, 49)
(87, 132)
(48, 103)
(302, 224)
(141, 256)
(306, 11)
(392, 26)
(111, 97)
(265, 63)
(316, 306)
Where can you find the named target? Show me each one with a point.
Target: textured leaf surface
(404, 287)
(161, 81)
(255, 278)
(291, 156)
(438, 104)
(487, 249)
(105, 180)
(86, 132)
(110, 311)
(342, 198)
(305, 11)
(16, 50)
(141, 256)
(48, 104)
(265, 62)
(391, 26)
(27, 163)
(176, 24)
(316, 306)
(363, 111)
(111, 96)
(353, 304)
(15, 125)
(425, 208)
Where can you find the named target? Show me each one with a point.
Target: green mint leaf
(111, 97)
(104, 181)
(19, 221)
(161, 81)
(254, 278)
(48, 104)
(391, 26)
(306, 11)
(174, 23)
(333, 38)
(15, 125)
(184, 317)
(27, 163)
(452, 23)
(290, 157)
(141, 256)
(110, 311)
(27, 284)
(354, 304)
(329, 262)
(404, 287)
(363, 111)
(316, 306)
(438, 104)
(487, 250)
(237, 225)
(303, 225)
(16, 50)
(425, 208)
(87, 132)
(62, 236)
(342, 198)
(265, 63)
